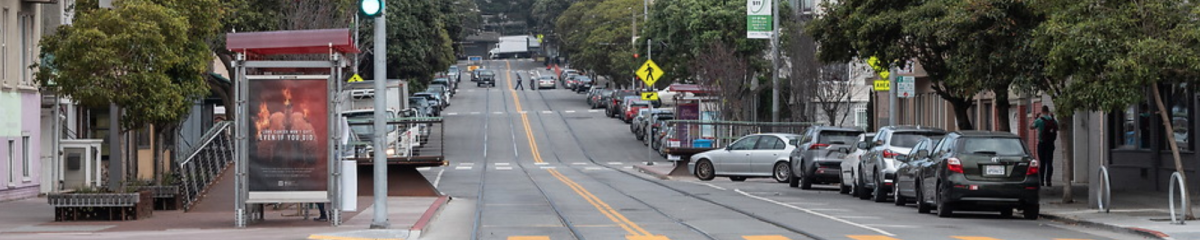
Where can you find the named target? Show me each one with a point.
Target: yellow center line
(604, 208)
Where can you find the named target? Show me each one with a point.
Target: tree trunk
(961, 109)
(1002, 108)
(224, 91)
(1162, 112)
(1065, 132)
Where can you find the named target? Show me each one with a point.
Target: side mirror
(922, 153)
(863, 145)
(902, 158)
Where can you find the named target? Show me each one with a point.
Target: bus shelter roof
(291, 42)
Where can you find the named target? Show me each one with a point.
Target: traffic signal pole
(380, 218)
(774, 61)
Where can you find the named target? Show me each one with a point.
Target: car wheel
(898, 199)
(943, 208)
(806, 179)
(793, 181)
(782, 172)
(877, 193)
(737, 179)
(1006, 213)
(1031, 211)
(843, 188)
(860, 187)
(922, 207)
(704, 170)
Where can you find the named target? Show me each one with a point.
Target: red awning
(291, 42)
(688, 88)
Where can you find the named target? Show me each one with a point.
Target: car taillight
(821, 145)
(954, 165)
(1033, 167)
(890, 154)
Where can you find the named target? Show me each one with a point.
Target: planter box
(165, 197)
(101, 206)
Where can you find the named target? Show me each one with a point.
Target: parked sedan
(877, 170)
(546, 81)
(850, 165)
(909, 169)
(818, 159)
(979, 170)
(757, 155)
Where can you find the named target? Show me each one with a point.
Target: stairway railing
(203, 165)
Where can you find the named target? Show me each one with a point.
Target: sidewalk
(1143, 213)
(34, 219)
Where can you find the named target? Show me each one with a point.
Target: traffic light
(370, 8)
(635, 55)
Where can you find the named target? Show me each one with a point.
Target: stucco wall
(19, 117)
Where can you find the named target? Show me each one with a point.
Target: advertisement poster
(288, 135)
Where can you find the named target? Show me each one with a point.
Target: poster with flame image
(288, 135)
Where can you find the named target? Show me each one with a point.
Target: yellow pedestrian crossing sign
(649, 73)
(649, 96)
(355, 78)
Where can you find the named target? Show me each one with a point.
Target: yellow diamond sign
(649, 96)
(355, 78)
(649, 72)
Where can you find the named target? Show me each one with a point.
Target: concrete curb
(423, 222)
(1109, 227)
(653, 172)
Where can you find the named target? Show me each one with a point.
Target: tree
(683, 30)
(1102, 55)
(146, 57)
(545, 13)
(724, 71)
(598, 34)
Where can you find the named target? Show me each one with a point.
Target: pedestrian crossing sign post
(355, 78)
(649, 73)
(649, 96)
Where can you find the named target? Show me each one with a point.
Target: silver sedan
(757, 155)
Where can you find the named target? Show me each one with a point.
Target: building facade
(20, 102)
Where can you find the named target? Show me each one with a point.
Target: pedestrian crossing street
(779, 237)
(593, 111)
(502, 166)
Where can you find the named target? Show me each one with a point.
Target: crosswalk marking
(423, 169)
(503, 168)
(474, 113)
(569, 111)
(502, 164)
(1070, 239)
(467, 164)
(615, 163)
(973, 238)
(529, 238)
(548, 167)
(524, 112)
(594, 111)
(462, 168)
(579, 163)
(451, 114)
(497, 112)
(655, 237)
(765, 237)
(593, 168)
(871, 237)
(547, 112)
(541, 163)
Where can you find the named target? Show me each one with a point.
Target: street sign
(882, 70)
(905, 86)
(649, 96)
(649, 73)
(355, 78)
(882, 85)
(540, 38)
(758, 19)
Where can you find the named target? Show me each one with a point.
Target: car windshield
(357, 117)
(639, 103)
(486, 73)
(910, 139)
(992, 146)
(838, 137)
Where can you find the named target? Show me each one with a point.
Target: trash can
(702, 143)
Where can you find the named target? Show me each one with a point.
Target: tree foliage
(682, 30)
(147, 57)
(546, 12)
(597, 35)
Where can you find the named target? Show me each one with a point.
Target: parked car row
(934, 169)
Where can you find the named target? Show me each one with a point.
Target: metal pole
(114, 155)
(775, 61)
(892, 98)
(380, 220)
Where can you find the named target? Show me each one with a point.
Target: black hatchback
(979, 171)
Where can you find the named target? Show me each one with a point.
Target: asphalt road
(542, 165)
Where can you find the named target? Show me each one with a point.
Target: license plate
(993, 170)
(673, 157)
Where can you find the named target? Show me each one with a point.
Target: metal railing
(1177, 182)
(1104, 198)
(721, 133)
(204, 164)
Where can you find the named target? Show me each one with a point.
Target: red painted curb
(424, 220)
(1151, 232)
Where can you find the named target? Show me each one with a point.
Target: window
(25, 161)
(11, 175)
(744, 143)
(1178, 100)
(860, 118)
(4, 46)
(28, 44)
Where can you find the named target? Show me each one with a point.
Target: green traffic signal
(370, 8)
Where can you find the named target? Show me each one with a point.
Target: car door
(872, 158)
(906, 173)
(736, 160)
(768, 149)
(929, 170)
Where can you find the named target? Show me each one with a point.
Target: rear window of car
(844, 137)
(910, 139)
(992, 146)
(640, 103)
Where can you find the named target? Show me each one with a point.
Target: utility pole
(892, 113)
(774, 61)
(375, 9)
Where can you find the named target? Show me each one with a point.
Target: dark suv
(818, 157)
(877, 169)
(979, 170)
(486, 77)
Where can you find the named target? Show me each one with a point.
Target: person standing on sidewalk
(518, 82)
(1047, 131)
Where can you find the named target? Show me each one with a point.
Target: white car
(850, 164)
(756, 155)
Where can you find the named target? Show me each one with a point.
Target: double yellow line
(635, 232)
